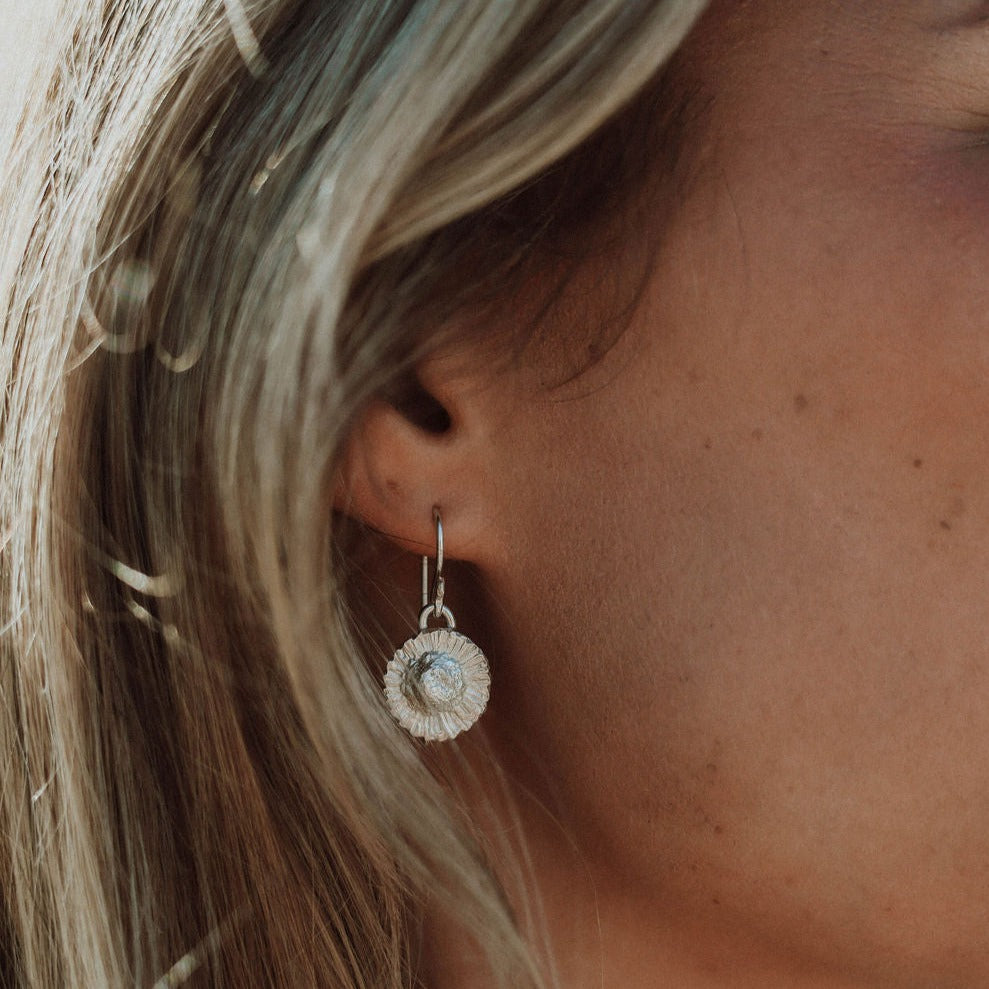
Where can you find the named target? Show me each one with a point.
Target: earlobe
(395, 470)
(434, 441)
(382, 480)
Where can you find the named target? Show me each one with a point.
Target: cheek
(762, 650)
(824, 414)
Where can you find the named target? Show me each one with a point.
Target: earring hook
(439, 584)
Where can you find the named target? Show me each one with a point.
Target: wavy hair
(224, 226)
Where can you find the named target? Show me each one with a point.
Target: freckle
(718, 829)
(711, 767)
(716, 901)
(707, 443)
(918, 462)
(800, 403)
(757, 434)
(945, 525)
(393, 486)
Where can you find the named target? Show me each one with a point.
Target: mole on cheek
(800, 403)
(955, 511)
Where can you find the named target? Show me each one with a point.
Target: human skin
(736, 573)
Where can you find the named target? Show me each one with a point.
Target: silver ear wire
(438, 683)
(439, 584)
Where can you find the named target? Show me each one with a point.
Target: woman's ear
(425, 446)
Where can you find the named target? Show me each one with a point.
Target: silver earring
(438, 683)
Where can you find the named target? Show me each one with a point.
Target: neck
(597, 929)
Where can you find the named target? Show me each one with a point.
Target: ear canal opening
(419, 406)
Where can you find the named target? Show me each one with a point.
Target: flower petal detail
(437, 684)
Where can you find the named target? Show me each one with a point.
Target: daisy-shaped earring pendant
(438, 683)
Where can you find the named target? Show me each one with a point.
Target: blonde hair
(224, 226)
